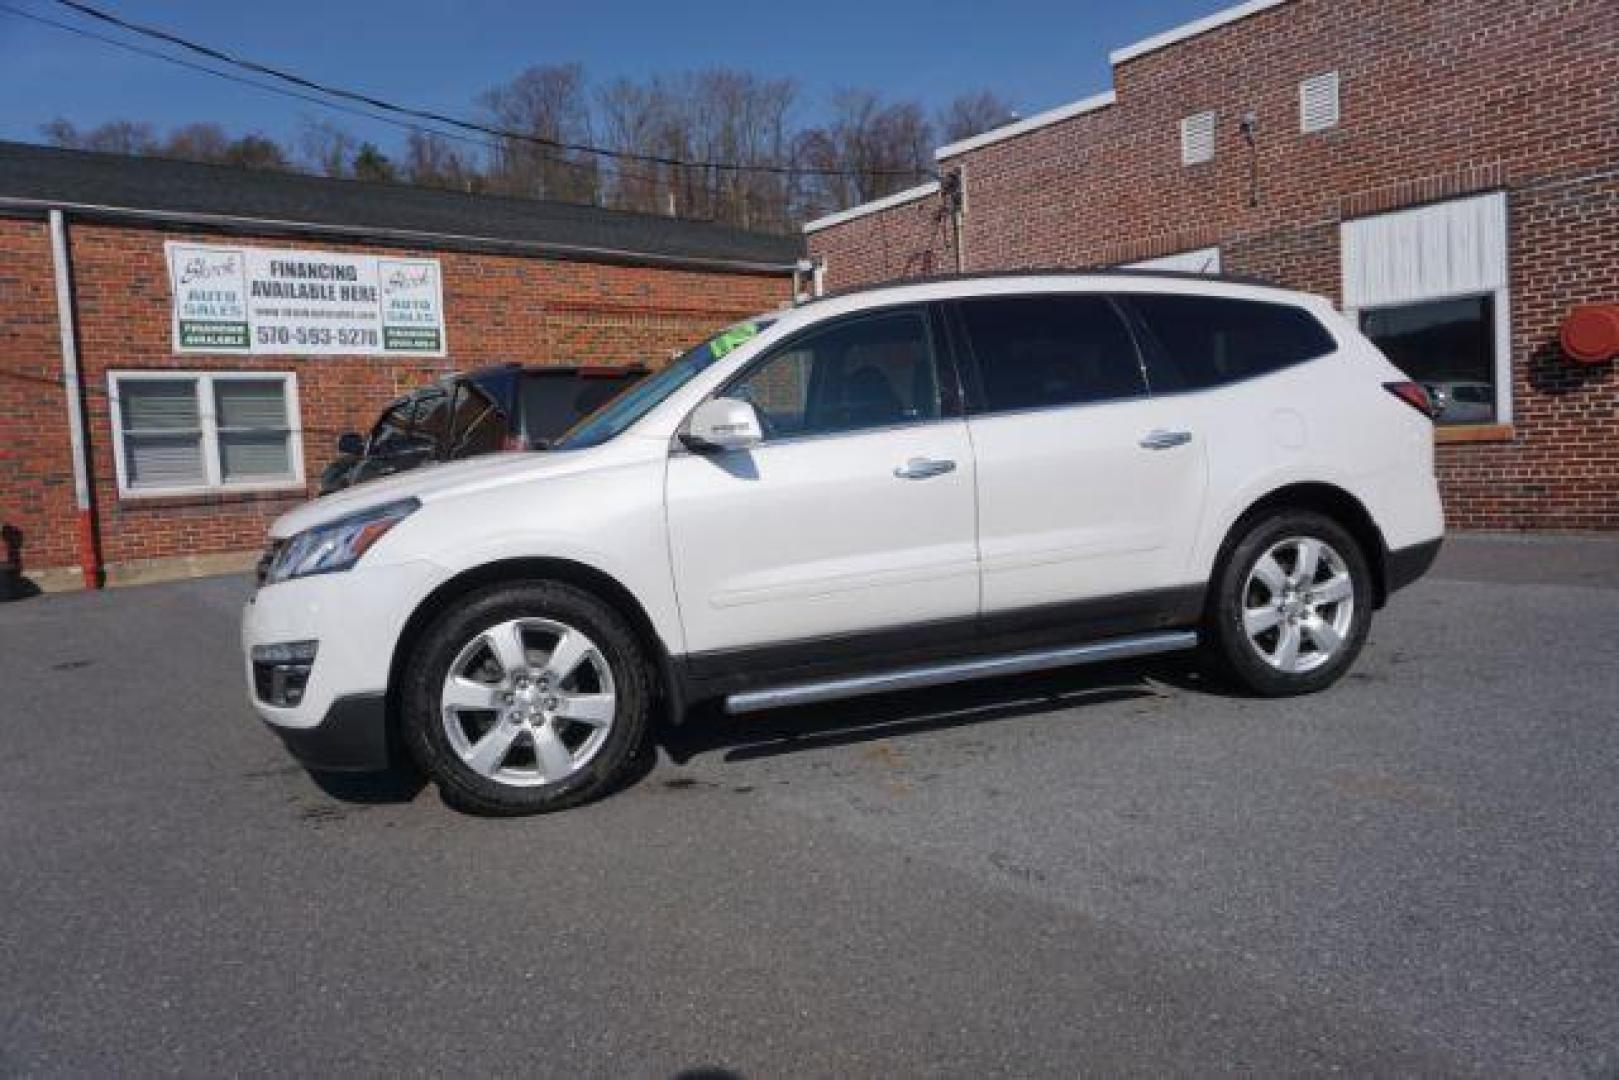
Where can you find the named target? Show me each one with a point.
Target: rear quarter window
(1196, 342)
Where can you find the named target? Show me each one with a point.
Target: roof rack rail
(1051, 271)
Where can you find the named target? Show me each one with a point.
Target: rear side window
(1204, 341)
(1040, 351)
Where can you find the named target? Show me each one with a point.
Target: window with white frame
(184, 432)
(1197, 139)
(1428, 285)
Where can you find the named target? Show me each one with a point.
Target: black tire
(423, 727)
(1225, 637)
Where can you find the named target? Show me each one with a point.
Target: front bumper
(351, 737)
(356, 619)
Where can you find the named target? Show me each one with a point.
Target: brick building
(1446, 170)
(374, 289)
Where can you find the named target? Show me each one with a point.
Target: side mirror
(723, 424)
(351, 444)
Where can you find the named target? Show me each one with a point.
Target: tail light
(1413, 394)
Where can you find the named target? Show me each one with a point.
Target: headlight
(337, 545)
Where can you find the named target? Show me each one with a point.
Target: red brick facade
(1439, 98)
(497, 308)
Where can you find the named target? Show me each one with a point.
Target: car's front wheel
(526, 697)
(1292, 604)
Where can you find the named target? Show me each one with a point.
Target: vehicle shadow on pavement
(401, 783)
(708, 730)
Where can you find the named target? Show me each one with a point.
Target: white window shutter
(1426, 252)
(162, 433)
(1318, 102)
(1197, 139)
(253, 429)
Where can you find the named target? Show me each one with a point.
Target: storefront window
(1449, 347)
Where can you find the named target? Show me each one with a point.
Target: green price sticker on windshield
(727, 340)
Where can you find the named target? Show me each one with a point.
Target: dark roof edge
(404, 237)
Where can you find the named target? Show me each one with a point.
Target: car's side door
(1089, 488)
(852, 517)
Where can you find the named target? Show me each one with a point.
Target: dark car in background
(510, 407)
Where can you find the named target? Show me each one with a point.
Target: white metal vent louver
(1197, 139)
(1318, 102)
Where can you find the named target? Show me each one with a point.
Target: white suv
(891, 488)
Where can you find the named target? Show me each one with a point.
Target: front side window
(178, 433)
(1041, 351)
(1204, 341)
(1449, 347)
(866, 372)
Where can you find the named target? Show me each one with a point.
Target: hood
(435, 482)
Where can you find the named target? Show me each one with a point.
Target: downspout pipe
(89, 540)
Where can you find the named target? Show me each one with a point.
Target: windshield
(612, 419)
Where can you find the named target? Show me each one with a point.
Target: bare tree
(547, 104)
(198, 142)
(868, 150)
(720, 144)
(973, 114)
(326, 148)
(371, 164)
(702, 119)
(432, 161)
(113, 137)
(257, 151)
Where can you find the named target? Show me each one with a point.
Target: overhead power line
(481, 142)
(384, 105)
(228, 77)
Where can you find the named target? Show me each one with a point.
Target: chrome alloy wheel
(528, 702)
(1298, 604)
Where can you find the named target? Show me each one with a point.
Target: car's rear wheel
(525, 698)
(1292, 604)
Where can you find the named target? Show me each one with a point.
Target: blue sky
(1038, 53)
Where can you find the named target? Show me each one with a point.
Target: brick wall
(36, 466)
(497, 308)
(1439, 98)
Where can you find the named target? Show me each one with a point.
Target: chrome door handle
(919, 468)
(1159, 439)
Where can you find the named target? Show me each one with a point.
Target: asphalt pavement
(1119, 870)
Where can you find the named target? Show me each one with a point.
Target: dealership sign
(304, 303)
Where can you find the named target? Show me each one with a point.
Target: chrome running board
(986, 667)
